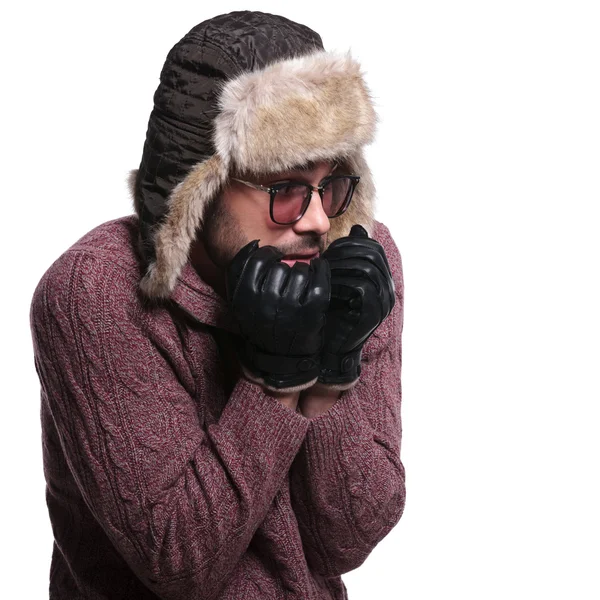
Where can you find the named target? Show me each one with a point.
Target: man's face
(242, 215)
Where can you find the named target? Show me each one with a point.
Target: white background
(487, 166)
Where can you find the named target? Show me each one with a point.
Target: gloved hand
(280, 311)
(362, 296)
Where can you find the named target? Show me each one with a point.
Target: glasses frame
(273, 189)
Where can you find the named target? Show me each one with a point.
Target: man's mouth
(290, 259)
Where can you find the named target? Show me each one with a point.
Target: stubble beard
(223, 236)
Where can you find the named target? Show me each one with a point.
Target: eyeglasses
(290, 199)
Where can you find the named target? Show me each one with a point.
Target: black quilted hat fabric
(185, 102)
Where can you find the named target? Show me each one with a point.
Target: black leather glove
(362, 296)
(280, 311)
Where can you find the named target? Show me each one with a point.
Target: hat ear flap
(174, 236)
(362, 208)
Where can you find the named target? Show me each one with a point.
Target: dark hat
(247, 92)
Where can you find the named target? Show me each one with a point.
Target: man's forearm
(289, 399)
(317, 399)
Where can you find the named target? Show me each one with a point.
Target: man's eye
(290, 189)
(293, 190)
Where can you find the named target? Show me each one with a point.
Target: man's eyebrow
(293, 173)
(286, 177)
(306, 166)
(296, 174)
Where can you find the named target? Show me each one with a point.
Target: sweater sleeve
(179, 503)
(347, 481)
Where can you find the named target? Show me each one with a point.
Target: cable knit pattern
(166, 477)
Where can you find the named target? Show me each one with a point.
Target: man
(220, 372)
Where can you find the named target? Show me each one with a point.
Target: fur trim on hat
(308, 108)
(314, 107)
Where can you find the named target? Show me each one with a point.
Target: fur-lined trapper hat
(245, 92)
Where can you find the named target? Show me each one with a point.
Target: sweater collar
(201, 301)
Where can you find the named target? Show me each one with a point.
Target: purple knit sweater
(170, 477)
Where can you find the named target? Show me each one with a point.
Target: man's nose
(314, 218)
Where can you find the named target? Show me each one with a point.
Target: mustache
(310, 243)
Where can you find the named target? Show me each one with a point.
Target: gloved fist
(362, 296)
(280, 311)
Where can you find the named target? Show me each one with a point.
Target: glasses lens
(336, 195)
(288, 203)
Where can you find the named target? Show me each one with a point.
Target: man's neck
(206, 268)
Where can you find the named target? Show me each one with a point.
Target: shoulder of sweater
(102, 263)
(114, 242)
(388, 334)
(382, 234)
